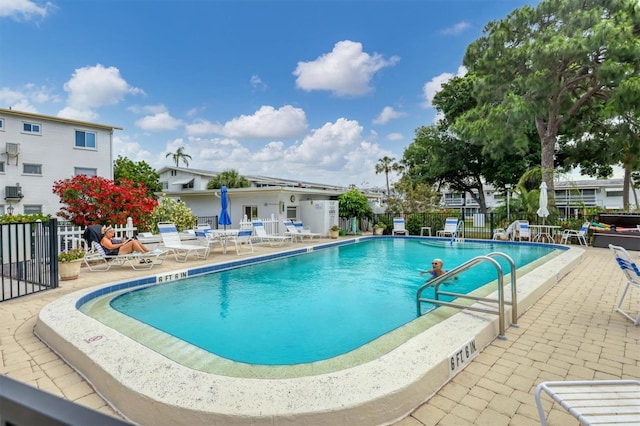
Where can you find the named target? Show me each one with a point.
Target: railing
(23, 405)
(271, 225)
(436, 282)
(28, 258)
(71, 237)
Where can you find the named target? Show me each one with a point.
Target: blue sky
(310, 90)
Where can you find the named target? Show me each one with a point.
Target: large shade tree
(544, 64)
(140, 173)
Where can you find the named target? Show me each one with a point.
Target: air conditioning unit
(13, 192)
(12, 150)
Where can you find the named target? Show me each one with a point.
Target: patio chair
(263, 237)
(524, 232)
(295, 232)
(580, 235)
(398, 227)
(632, 273)
(593, 402)
(97, 260)
(450, 228)
(206, 237)
(306, 232)
(243, 238)
(171, 241)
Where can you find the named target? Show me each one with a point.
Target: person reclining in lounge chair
(114, 247)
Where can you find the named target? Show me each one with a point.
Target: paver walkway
(571, 333)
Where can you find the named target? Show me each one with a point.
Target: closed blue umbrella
(224, 218)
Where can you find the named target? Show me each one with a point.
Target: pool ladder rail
(436, 282)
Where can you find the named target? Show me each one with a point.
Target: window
(165, 186)
(174, 173)
(251, 212)
(188, 185)
(2, 124)
(292, 212)
(85, 171)
(1, 166)
(32, 169)
(85, 139)
(34, 128)
(32, 208)
(2, 209)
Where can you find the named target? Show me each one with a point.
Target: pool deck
(572, 333)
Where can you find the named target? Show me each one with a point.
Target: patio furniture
(450, 227)
(580, 235)
(263, 237)
(594, 401)
(171, 241)
(632, 273)
(398, 226)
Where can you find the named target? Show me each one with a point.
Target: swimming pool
(308, 308)
(371, 385)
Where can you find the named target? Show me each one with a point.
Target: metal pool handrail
(436, 282)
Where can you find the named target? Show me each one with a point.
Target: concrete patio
(572, 333)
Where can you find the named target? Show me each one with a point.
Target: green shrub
(170, 210)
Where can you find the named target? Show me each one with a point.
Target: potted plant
(334, 231)
(69, 263)
(379, 228)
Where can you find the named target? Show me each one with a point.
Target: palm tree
(179, 155)
(386, 165)
(230, 179)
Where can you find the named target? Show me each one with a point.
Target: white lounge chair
(171, 241)
(297, 233)
(398, 226)
(592, 402)
(450, 227)
(306, 232)
(632, 273)
(242, 238)
(263, 237)
(97, 260)
(580, 235)
(524, 232)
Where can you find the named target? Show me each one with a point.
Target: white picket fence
(71, 237)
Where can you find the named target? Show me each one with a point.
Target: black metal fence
(479, 226)
(24, 405)
(28, 258)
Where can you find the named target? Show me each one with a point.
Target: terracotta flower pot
(69, 270)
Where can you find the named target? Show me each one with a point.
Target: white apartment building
(570, 197)
(36, 150)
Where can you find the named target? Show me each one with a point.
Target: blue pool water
(309, 307)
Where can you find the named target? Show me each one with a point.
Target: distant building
(570, 197)
(36, 150)
(267, 197)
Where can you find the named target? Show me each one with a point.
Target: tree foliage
(170, 210)
(230, 179)
(178, 156)
(139, 173)
(354, 203)
(545, 64)
(90, 200)
(387, 165)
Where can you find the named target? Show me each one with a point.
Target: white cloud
(159, 121)
(257, 83)
(24, 99)
(92, 87)
(395, 136)
(266, 123)
(24, 10)
(345, 71)
(130, 149)
(457, 28)
(433, 86)
(387, 114)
